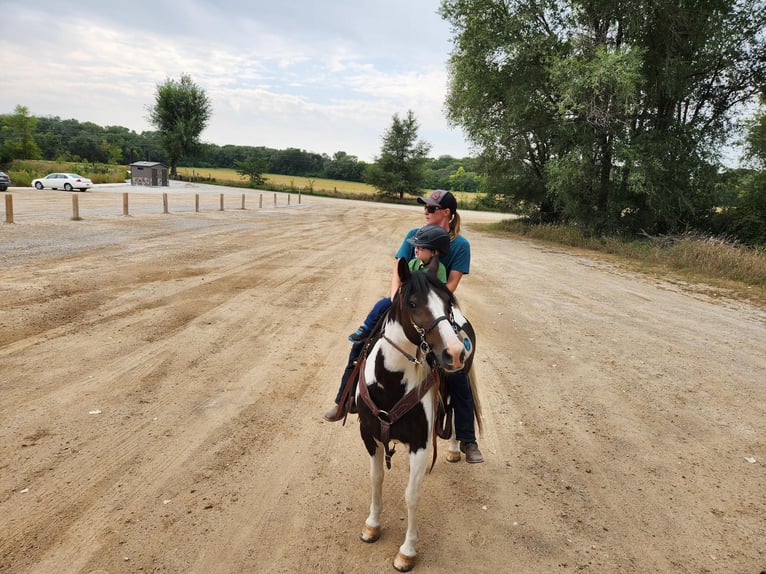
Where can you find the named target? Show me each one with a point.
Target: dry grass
(228, 176)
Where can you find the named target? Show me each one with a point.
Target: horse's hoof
(453, 456)
(370, 533)
(404, 563)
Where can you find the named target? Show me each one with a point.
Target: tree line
(23, 136)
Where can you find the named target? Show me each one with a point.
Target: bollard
(243, 201)
(9, 208)
(221, 202)
(196, 202)
(260, 201)
(125, 204)
(76, 206)
(164, 203)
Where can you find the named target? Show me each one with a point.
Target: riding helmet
(431, 237)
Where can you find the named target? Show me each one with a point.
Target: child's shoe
(359, 335)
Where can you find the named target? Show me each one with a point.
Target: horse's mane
(421, 281)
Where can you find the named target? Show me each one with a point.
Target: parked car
(5, 181)
(65, 181)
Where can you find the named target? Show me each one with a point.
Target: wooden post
(299, 197)
(275, 200)
(288, 198)
(260, 201)
(125, 203)
(164, 203)
(221, 201)
(243, 201)
(9, 208)
(76, 206)
(196, 202)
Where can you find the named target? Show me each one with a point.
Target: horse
(396, 392)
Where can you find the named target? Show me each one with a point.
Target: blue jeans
(376, 313)
(353, 355)
(462, 402)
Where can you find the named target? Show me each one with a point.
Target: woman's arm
(453, 279)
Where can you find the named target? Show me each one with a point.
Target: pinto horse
(396, 394)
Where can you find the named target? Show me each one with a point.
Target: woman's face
(436, 216)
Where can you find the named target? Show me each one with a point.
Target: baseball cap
(440, 198)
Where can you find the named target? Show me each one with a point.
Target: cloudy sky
(320, 75)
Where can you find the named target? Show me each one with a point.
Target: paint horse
(396, 394)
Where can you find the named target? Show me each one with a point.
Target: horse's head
(423, 307)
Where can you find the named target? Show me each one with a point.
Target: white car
(65, 181)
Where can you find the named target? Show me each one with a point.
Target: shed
(150, 173)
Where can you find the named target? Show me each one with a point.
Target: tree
(401, 166)
(606, 114)
(17, 136)
(252, 168)
(180, 113)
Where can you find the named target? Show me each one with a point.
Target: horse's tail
(475, 394)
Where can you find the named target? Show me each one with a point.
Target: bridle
(413, 397)
(424, 349)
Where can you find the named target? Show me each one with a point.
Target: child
(429, 242)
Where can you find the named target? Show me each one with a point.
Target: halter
(409, 400)
(423, 346)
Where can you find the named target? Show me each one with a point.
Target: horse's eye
(412, 304)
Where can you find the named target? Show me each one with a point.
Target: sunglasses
(432, 208)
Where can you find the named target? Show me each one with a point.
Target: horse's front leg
(405, 559)
(371, 528)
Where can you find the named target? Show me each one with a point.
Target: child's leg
(376, 313)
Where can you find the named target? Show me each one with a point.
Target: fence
(9, 210)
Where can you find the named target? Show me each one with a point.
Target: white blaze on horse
(396, 394)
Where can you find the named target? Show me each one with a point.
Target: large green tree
(606, 113)
(401, 166)
(17, 136)
(180, 113)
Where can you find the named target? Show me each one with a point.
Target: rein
(401, 408)
(412, 398)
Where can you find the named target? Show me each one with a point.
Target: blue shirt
(458, 258)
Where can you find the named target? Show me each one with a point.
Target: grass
(309, 185)
(22, 172)
(691, 258)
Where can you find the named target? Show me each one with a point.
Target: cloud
(322, 76)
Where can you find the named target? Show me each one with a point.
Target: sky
(319, 75)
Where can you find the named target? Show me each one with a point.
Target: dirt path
(163, 379)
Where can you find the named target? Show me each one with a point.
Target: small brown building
(149, 173)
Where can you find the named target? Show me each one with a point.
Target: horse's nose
(453, 360)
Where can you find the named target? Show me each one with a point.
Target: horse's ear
(404, 270)
(433, 265)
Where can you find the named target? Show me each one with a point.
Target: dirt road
(162, 381)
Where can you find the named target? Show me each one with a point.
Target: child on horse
(430, 241)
